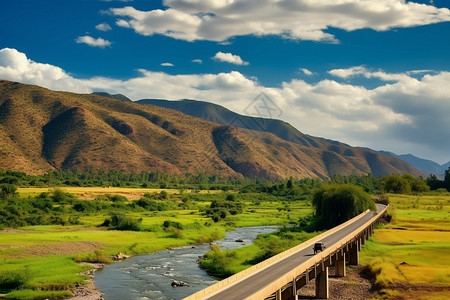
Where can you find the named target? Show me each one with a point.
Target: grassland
(410, 256)
(41, 261)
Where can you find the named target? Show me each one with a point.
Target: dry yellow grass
(411, 256)
(92, 192)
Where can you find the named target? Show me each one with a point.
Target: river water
(149, 276)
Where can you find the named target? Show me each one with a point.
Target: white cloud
(230, 58)
(306, 72)
(350, 72)
(103, 27)
(167, 64)
(99, 42)
(123, 23)
(363, 71)
(15, 66)
(220, 20)
(197, 61)
(404, 115)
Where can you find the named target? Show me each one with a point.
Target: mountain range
(41, 130)
(221, 115)
(426, 166)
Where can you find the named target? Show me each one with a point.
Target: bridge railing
(277, 284)
(316, 259)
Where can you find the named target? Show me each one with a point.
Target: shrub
(116, 198)
(152, 205)
(120, 221)
(168, 224)
(219, 209)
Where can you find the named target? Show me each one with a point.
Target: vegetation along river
(150, 276)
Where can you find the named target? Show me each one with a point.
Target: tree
(289, 184)
(447, 179)
(337, 203)
(434, 183)
(7, 190)
(395, 184)
(417, 185)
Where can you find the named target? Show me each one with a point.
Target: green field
(40, 261)
(411, 255)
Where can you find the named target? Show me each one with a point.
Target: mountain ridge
(41, 130)
(426, 166)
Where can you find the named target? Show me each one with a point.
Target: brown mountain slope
(41, 130)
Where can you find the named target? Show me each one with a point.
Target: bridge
(281, 276)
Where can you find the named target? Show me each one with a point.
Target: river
(149, 276)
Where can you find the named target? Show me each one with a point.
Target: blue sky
(365, 72)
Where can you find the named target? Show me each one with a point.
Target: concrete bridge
(280, 277)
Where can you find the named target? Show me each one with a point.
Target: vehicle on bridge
(319, 246)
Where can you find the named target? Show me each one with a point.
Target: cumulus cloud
(404, 114)
(220, 20)
(15, 66)
(230, 58)
(197, 61)
(363, 71)
(103, 27)
(99, 42)
(167, 64)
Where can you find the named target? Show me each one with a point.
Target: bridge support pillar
(322, 287)
(353, 257)
(278, 295)
(340, 265)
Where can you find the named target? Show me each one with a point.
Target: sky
(369, 73)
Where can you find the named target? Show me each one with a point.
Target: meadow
(43, 261)
(410, 256)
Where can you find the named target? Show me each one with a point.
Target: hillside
(220, 115)
(42, 130)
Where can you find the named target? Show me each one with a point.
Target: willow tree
(337, 203)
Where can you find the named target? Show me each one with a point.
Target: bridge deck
(253, 283)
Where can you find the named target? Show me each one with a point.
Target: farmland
(410, 256)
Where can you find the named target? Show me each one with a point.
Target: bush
(120, 221)
(152, 205)
(116, 198)
(177, 225)
(219, 209)
(59, 196)
(216, 261)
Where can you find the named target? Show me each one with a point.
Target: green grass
(414, 247)
(48, 276)
(47, 253)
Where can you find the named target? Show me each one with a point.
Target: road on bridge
(253, 283)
